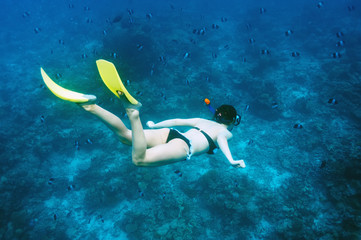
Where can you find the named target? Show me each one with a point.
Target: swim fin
(111, 78)
(65, 94)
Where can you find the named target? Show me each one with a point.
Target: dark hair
(227, 114)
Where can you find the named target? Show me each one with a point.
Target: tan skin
(149, 147)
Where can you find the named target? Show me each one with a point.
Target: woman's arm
(223, 145)
(191, 122)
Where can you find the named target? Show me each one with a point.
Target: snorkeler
(161, 144)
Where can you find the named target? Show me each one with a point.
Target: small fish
(186, 55)
(179, 173)
(336, 55)
(139, 47)
(149, 16)
(58, 76)
(246, 108)
(323, 164)
(76, 144)
(61, 42)
(332, 101)
(265, 52)
(71, 187)
(42, 118)
(226, 46)
(251, 40)
(163, 195)
(141, 193)
(130, 11)
(320, 4)
(37, 30)
(339, 34)
(298, 126)
(114, 55)
(84, 56)
(288, 32)
(207, 79)
(351, 8)
(201, 31)
(152, 70)
(250, 142)
(215, 26)
(55, 216)
(89, 141)
(105, 32)
(295, 54)
(163, 60)
(262, 10)
(274, 105)
(51, 181)
(163, 96)
(224, 19)
(26, 14)
(128, 82)
(340, 43)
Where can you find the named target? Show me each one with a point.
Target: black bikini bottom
(175, 134)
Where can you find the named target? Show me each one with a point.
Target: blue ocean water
(282, 64)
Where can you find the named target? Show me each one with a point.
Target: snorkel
(208, 103)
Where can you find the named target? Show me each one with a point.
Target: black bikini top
(212, 146)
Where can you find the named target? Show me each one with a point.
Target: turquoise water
(298, 183)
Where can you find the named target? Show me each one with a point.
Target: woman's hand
(150, 124)
(238, 164)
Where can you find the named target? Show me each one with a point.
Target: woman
(161, 144)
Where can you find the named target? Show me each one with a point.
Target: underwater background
(291, 68)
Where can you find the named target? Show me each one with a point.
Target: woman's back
(200, 143)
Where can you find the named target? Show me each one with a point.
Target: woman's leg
(112, 122)
(153, 137)
(175, 150)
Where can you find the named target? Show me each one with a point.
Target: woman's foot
(89, 107)
(126, 103)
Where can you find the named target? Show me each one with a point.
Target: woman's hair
(227, 114)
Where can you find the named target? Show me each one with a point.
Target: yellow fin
(63, 93)
(111, 79)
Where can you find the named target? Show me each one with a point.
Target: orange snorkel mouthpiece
(207, 101)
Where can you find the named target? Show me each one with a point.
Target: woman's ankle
(88, 107)
(132, 113)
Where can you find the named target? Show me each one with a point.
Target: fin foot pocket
(126, 104)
